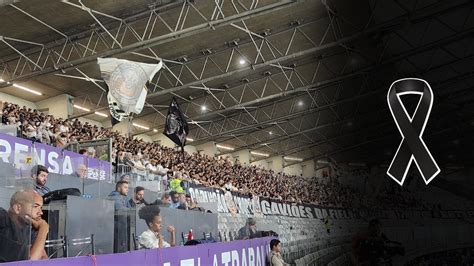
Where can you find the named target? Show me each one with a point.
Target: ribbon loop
(412, 147)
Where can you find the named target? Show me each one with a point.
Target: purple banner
(24, 154)
(243, 252)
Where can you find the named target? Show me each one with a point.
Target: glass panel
(19, 204)
(86, 217)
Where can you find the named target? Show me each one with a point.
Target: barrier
(23, 153)
(244, 252)
(300, 226)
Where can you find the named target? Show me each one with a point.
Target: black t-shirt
(14, 240)
(133, 204)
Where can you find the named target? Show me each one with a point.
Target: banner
(233, 202)
(230, 202)
(24, 154)
(242, 252)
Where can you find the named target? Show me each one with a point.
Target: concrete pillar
(91, 122)
(60, 106)
(243, 156)
(308, 168)
(275, 163)
(190, 149)
(227, 156)
(262, 164)
(144, 137)
(295, 169)
(208, 148)
(122, 127)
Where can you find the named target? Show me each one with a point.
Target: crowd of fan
(145, 159)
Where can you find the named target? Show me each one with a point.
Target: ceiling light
(203, 108)
(1, 80)
(224, 147)
(269, 132)
(140, 126)
(190, 139)
(259, 154)
(81, 108)
(26, 89)
(101, 114)
(155, 130)
(292, 159)
(300, 103)
(242, 61)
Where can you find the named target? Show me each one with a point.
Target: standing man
(120, 196)
(16, 227)
(137, 198)
(39, 174)
(121, 217)
(249, 230)
(274, 257)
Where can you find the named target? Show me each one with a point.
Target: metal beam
(140, 45)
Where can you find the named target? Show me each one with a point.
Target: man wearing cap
(249, 230)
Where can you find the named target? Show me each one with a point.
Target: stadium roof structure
(299, 78)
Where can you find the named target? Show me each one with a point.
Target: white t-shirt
(148, 239)
(63, 129)
(31, 131)
(160, 169)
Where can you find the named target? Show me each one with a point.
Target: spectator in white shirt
(152, 238)
(138, 168)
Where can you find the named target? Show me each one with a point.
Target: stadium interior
(288, 130)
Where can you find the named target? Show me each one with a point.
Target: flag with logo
(176, 127)
(126, 81)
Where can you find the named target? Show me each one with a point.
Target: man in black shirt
(137, 198)
(16, 226)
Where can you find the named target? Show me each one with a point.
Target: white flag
(126, 81)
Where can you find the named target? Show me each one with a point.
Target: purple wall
(244, 252)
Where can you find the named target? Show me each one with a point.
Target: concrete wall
(12, 99)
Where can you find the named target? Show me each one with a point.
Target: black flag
(176, 127)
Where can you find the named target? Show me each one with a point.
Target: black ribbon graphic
(412, 146)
